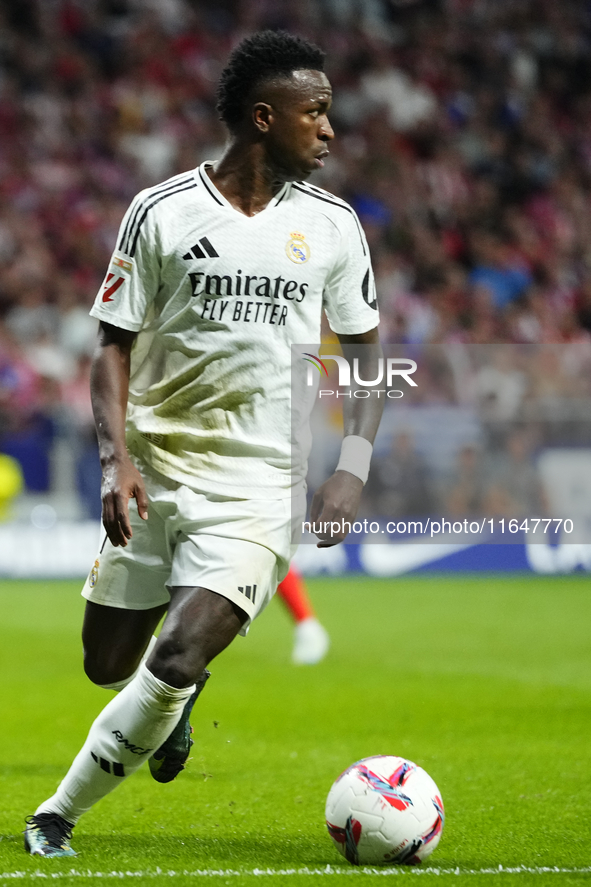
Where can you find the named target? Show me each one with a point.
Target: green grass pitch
(484, 681)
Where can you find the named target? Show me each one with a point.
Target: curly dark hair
(261, 57)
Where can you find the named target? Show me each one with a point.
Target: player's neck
(244, 179)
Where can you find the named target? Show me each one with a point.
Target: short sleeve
(133, 276)
(350, 298)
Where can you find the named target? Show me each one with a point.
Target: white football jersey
(217, 299)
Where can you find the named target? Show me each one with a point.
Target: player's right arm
(109, 388)
(121, 304)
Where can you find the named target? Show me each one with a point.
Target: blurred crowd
(463, 142)
(487, 414)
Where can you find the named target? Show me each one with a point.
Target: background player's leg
(292, 592)
(311, 639)
(115, 641)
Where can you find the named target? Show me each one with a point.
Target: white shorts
(238, 548)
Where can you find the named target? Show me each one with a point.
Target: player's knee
(107, 672)
(175, 664)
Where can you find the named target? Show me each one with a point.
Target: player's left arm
(337, 500)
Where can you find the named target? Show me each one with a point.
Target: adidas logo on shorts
(249, 591)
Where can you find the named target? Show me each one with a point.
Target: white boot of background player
(311, 642)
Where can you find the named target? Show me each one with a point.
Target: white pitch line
(327, 870)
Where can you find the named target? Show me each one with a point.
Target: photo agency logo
(388, 372)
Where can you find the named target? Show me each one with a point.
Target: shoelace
(55, 829)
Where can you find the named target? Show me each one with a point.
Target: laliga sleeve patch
(116, 276)
(110, 286)
(124, 264)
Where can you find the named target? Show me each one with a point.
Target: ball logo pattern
(385, 810)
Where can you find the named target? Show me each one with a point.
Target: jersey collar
(217, 197)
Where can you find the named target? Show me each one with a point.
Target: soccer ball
(384, 810)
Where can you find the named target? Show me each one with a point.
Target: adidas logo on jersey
(249, 591)
(200, 250)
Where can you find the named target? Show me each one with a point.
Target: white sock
(117, 686)
(128, 730)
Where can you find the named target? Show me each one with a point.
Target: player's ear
(262, 115)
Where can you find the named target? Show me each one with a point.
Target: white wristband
(355, 456)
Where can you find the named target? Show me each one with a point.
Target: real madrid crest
(94, 574)
(297, 249)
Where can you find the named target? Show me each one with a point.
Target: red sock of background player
(311, 641)
(293, 593)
